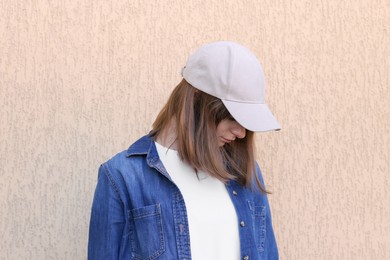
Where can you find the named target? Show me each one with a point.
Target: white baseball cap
(232, 73)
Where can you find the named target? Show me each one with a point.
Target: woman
(191, 188)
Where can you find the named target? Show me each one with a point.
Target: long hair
(196, 115)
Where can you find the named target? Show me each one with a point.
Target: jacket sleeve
(107, 219)
(271, 249)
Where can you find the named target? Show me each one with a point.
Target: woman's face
(228, 130)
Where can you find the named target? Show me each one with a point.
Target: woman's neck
(168, 136)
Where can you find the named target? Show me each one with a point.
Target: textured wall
(81, 80)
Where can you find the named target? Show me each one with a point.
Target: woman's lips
(226, 140)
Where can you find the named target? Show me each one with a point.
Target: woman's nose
(239, 131)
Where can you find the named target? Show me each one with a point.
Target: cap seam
(243, 102)
(230, 67)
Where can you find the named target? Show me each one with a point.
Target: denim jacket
(139, 213)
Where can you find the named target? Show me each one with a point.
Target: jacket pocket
(146, 232)
(258, 213)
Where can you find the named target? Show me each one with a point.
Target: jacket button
(235, 193)
(242, 224)
(246, 257)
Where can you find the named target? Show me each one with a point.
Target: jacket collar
(145, 146)
(142, 146)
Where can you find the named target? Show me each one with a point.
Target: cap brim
(254, 117)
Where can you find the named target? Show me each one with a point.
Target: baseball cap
(232, 73)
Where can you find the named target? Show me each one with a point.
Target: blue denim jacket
(139, 213)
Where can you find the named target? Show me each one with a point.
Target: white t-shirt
(212, 219)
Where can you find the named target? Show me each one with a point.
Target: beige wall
(81, 80)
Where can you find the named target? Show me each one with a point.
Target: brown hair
(196, 115)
